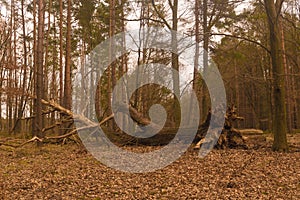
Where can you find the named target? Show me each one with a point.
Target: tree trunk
(205, 58)
(196, 58)
(111, 70)
(23, 99)
(10, 72)
(67, 99)
(175, 62)
(39, 122)
(287, 82)
(54, 68)
(34, 85)
(279, 116)
(68, 84)
(61, 90)
(61, 54)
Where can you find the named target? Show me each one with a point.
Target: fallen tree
(230, 137)
(87, 124)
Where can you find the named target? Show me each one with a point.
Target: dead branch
(88, 124)
(137, 116)
(49, 128)
(35, 138)
(79, 129)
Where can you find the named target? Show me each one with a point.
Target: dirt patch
(68, 172)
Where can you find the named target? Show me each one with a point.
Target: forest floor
(68, 172)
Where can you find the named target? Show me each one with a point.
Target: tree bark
(273, 11)
(61, 90)
(39, 122)
(287, 82)
(175, 62)
(205, 58)
(34, 85)
(68, 72)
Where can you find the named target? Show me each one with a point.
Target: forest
(236, 93)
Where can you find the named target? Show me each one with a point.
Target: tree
(68, 73)
(215, 14)
(24, 98)
(61, 91)
(39, 73)
(273, 11)
(111, 70)
(206, 33)
(174, 55)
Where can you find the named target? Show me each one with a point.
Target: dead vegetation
(67, 172)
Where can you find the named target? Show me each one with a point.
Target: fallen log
(251, 131)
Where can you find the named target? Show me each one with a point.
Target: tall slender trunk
(53, 93)
(61, 54)
(196, 58)
(273, 11)
(123, 69)
(111, 70)
(68, 84)
(287, 81)
(67, 92)
(10, 70)
(175, 62)
(34, 81)
(39, 125)
(205, 59)
(294, 102)
(16, 81)
(23, 98)
(46, 67)
(47, 37)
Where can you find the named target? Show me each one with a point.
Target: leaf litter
(68, 172)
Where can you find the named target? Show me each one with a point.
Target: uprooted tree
(229, 136)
